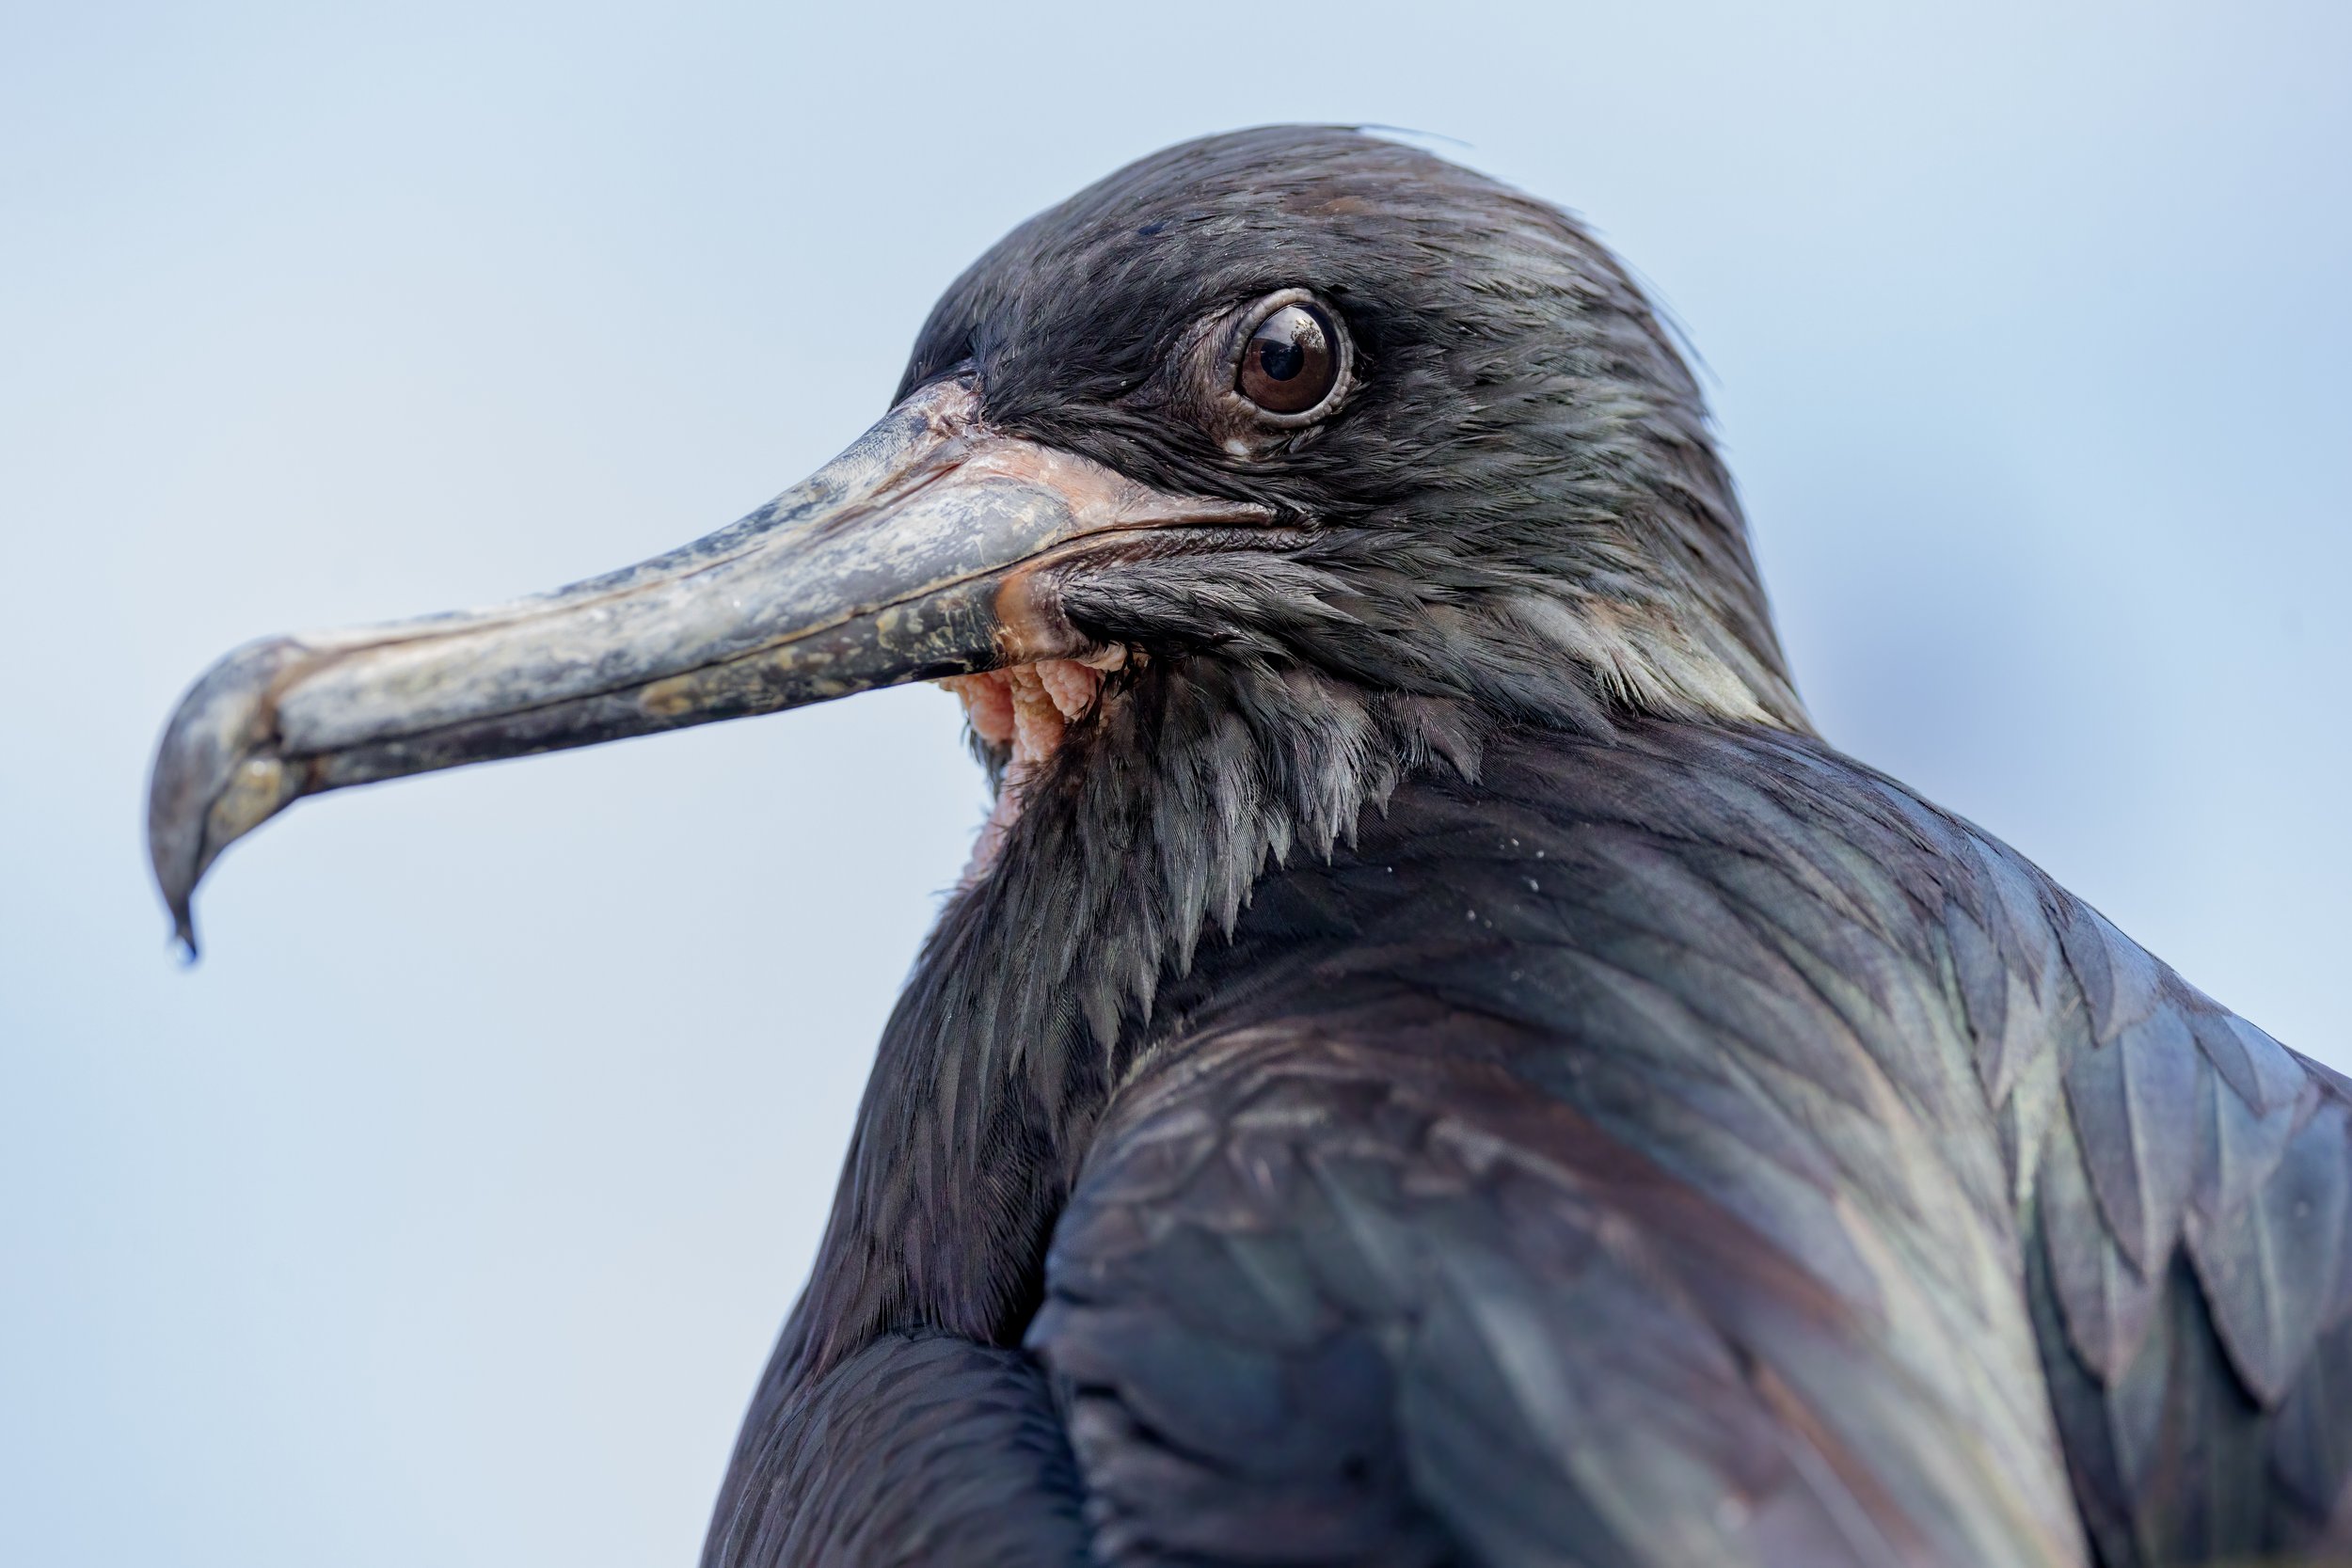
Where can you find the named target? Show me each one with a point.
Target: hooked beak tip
(201, 795)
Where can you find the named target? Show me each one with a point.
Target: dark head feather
(1518, 500)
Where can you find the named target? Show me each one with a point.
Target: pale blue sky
(444, 1214)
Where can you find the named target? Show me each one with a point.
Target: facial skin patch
(1026, 707)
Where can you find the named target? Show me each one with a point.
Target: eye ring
(1291, 359)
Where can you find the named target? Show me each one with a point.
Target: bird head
(1363, 445)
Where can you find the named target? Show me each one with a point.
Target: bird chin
(1026, 709)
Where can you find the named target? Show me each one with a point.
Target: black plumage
(1689, 1146)
(1444, 1067)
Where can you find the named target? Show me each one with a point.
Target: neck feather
(1035, 994)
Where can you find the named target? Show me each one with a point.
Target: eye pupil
(1281, 362)
(1291, 360)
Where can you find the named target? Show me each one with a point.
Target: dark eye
(1290, 362)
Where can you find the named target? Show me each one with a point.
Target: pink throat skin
(1027, 707)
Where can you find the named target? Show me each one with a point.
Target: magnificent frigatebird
(1434, 1060)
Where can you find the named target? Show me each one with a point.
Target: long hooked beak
(928, 548)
